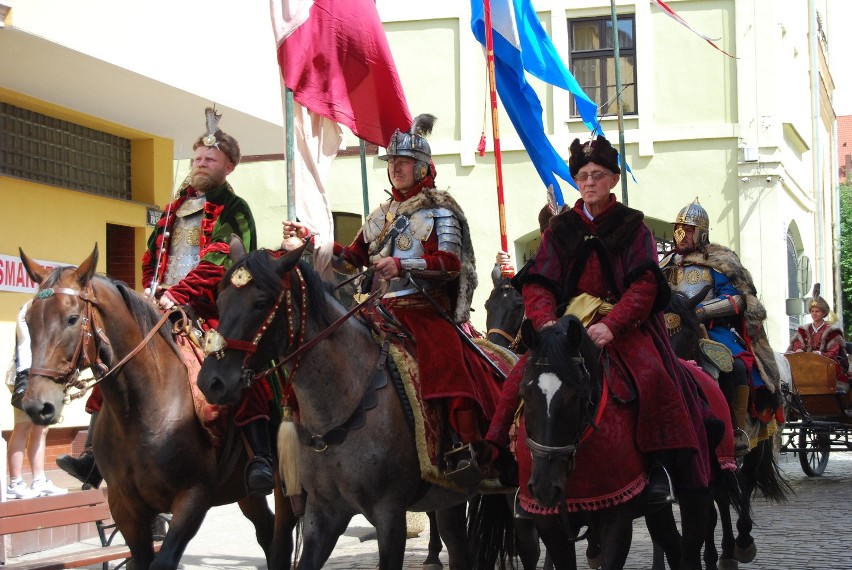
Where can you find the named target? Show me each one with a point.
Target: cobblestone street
(811, 532)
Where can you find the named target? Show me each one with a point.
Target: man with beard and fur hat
(423, 233)
(598, 261)
(732, 315)
(823, 338)
(187, 257)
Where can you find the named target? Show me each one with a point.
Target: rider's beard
(204, 180)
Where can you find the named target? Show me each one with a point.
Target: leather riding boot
(84, 467)
(660, 489)
(260, 479)
(739, 411)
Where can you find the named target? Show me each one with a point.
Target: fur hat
(599, 151)
(818, 301)
(218, 138)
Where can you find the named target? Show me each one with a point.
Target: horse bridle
(216, 344)
(548, 452)
(87, 353)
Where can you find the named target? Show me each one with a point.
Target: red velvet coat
(448, 367)
(614, 258)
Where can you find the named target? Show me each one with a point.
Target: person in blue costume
(732, 315)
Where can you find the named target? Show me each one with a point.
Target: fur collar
(430, 198)
(616, 229)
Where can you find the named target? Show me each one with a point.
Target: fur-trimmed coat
(614, 258)
(727, 262)
(828, 341)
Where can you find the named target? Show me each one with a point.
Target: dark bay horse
(758, 469)
(358, 452)
(504, 313)
(151, 448)
(566, 404)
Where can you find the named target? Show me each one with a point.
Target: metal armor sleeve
(722, 307)
(449, 232)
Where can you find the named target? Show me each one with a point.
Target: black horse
(758, 469)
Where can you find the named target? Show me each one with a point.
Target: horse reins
(91, 328)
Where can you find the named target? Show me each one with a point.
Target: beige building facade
(753, 137)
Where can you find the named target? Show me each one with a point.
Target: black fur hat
(599, 151)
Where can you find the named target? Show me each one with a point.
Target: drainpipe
(838, 281)
(817, 156)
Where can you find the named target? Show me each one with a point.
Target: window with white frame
(593, 62)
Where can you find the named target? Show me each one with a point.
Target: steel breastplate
(690, 279)
(185, 242)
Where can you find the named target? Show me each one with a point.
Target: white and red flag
(668, 11)
(335, 57)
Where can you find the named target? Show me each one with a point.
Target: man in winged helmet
(732, 315)
(186, 258)
(421, 233)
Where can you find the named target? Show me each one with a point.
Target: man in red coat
(421, 233)
(186, 258)
(824, 339)
(598, 261)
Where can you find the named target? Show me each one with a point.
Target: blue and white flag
(521, 45)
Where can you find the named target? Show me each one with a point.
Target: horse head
(249, 298)
(62, 333)
(560, 390)
(504, 312)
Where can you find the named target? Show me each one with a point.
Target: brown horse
(151, 448)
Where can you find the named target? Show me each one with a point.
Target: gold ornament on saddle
(214, 343)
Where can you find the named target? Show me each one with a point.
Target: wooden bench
(21, 515)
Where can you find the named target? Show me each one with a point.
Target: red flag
(335, 57)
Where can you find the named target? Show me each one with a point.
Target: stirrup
(462, 467)
(660, 496)
(741, 450)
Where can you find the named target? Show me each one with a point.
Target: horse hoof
(594, 563)
(745, 555)
(433, 565)
(728, 564)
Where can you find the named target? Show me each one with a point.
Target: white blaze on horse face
(549, 383)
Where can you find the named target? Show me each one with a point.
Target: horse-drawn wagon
(818, 410)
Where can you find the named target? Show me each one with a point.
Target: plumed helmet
(413, 144)
(817, 301)
(216, 137)
(599, 151)
(694, 214)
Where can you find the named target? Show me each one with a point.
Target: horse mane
(679, 304)
(552, 347)
(144, 313)
(259, 264)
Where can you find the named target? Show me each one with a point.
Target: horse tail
(490, 532)
(767, 476)
(288, 457)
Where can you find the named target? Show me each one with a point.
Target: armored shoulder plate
(378, 218)
(446, 226)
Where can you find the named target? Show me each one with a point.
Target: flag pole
(495, 127)
(289, 150)
(620, 102)
(365, 198)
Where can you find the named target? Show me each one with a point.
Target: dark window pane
(43, 149)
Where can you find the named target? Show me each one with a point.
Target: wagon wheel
(816, 448)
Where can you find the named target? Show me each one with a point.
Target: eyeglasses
(597, 175)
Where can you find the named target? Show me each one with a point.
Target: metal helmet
(413, 144)
(695, 215)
